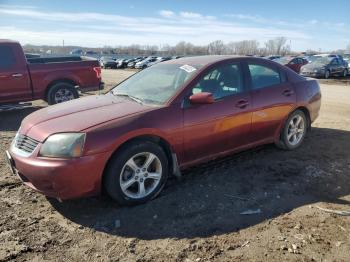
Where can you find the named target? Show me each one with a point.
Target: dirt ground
(198, 218)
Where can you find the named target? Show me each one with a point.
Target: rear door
(272, 100)
(14, 78)
(211, 129)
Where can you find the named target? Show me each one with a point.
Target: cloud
(190, 15)
(166, 13)
(94, 29)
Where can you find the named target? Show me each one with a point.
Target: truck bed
(60, 59)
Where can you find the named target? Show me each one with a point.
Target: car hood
(78, 115)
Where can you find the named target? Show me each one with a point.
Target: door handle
(17, 75)
(288, 92)
(242, 103)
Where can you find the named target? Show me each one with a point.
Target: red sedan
(294, 63)
(163, 119)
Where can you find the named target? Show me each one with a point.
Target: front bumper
(60, 178)
(312, 74)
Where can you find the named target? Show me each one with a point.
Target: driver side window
(222, 81)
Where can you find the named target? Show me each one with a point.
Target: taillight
(98, 71)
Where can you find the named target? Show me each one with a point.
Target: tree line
(276, 46)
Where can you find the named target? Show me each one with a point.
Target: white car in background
(346, 58)
(145, 63)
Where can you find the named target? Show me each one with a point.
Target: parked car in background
(76, 52)
(55, 80)
(144, 63)
(28, 55)
(132, 63)
(90, 52)
(165, 118)
(294, 63)
(273, 57)
(107, 62)
(346, 58)
(159, 60)
(325, 67)
(123, 63)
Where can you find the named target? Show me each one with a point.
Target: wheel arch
(302, 108)
(163, 143)
(57, 81)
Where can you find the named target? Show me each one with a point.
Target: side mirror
(202, 98)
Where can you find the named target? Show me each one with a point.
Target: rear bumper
(101, 86)
(60, 178)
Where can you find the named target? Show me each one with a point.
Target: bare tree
(277, 46)
(216, 48)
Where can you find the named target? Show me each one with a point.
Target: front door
(14, 79)
(212, 129)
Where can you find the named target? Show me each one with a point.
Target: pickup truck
(54, 79)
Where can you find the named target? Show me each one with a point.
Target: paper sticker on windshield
(188, 68)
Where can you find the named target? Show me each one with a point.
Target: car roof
(2, 41)
(201, 60)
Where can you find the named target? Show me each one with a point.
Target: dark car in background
(107, 62)
(273, 57)
(325, 67)
(294, 63)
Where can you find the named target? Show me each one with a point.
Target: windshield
(156, 84)
(321, 60)
(283, 60)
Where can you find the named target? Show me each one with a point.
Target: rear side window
(7, 57)
(263, 76)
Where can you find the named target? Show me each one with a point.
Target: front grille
(25, 143)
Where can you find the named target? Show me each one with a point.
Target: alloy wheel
(140, 175)
(63, 95)
(296, 130)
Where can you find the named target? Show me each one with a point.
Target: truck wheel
(137, 173)
(61, 92)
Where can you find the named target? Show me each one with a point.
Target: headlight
(64, 145)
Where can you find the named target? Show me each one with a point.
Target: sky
(319, 25)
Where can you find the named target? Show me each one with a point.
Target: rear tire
(61, 92)
(129, 178)
(294, 131)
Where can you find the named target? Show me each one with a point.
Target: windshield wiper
(138, 100)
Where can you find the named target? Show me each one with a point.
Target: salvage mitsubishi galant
(159, 121)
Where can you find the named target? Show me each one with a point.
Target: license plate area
(11, 163)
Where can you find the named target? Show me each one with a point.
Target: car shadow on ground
(11, 120)
(210, 198)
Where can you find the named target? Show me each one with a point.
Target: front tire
(345, 73)
(137, 173)
(61, 92)
(327, 74)
(294, 131)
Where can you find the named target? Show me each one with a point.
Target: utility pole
(63, 42)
